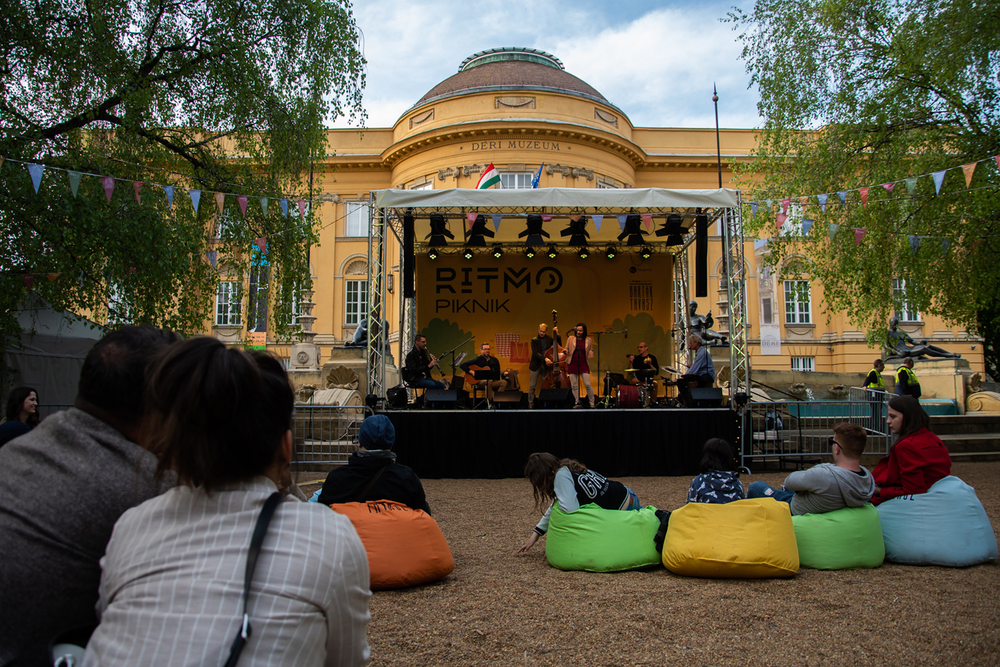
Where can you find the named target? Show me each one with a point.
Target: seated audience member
(372, 473)
(173, 576)
(22, 414)
(719, 481)
(917, 460)
(63, 486)
(827, 486)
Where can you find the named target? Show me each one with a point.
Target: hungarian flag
(489, 178)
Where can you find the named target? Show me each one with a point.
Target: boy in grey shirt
(827, 486)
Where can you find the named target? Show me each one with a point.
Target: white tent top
(555, 199)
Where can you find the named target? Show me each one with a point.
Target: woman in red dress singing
(579, 349)
(917, 460)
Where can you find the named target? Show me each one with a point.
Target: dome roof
(511, 69)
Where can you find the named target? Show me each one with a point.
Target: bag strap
(260, 529)
(371, 483)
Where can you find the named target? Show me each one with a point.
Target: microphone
(626, 333)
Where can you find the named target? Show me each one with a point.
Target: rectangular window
(766, 305)
(295, 310)
(357, 218)
(803, 363)
(228, 304)
(356, 302)
(224, 223)
(516, 180)
(426, 185)
(906, 312)
(258, 294)
(797, 302)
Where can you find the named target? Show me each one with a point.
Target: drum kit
(627, 392)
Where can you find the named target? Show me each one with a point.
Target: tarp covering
(555, 199)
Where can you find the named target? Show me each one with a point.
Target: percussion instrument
(628, 396)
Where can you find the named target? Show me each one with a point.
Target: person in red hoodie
(917, 460)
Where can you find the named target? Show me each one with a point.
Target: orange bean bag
(405, 546)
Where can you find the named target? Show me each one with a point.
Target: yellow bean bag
(405, 546)
(745, 539)
(840, 540)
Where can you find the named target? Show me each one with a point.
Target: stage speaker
(701, 256)
(442, 399)
(409, 292)
(706, 397)
(507, 400)
(556, 398)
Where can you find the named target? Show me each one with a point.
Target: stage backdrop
(503, 301)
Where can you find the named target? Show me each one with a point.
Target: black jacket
(397, 482)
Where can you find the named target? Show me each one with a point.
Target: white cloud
(656, 63)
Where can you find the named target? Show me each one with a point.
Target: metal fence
(326, 433)
(799, 431)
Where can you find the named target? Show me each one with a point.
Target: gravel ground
(503, 608)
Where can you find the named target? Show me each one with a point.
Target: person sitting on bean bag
(827, 486)
(372, 473)
(917, 460)
(719, 481)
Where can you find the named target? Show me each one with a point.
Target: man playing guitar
(486, 362)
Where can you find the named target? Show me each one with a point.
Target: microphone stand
(604, 381)
(452, 353)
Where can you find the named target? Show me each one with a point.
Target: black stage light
(478, 233)
(439, 230)
(611, 252)
(633, 231)
(534, 231)
(584, 253)
(577, 232)
(646, 252)
(497, 252)
(432, 254)
(468, 254)
(529, 253)
(673, 230)
(552, 254)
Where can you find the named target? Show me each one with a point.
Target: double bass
(556, 378)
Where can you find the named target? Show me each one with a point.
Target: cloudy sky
(656, 61)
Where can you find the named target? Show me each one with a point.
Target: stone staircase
(970, 437)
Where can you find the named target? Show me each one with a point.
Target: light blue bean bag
(844, 539)
(945, 526)
(599, 540)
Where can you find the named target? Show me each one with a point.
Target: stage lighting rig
(439, 230)
(467, 253)
(577, 232)
(478, 233)
(673, 230)
(646, 252)
(610, 252)
(552, 254)
(432, 254)
(584, 253)
(534, 231)
(497, 251)
(529, 252)
(633, 231)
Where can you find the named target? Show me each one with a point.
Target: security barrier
(326, 433)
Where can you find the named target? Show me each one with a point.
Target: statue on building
(900, 344)
(702, 325)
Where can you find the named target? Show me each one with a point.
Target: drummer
(643, 365)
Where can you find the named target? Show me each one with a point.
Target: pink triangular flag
(969, 169)
(262, 244)
(546, 218)
(995, 157)
(220, 200)
(864, 196)
(784, 204)
(137, 185)
(108, 182)
(647, 220)
(471, 217)
(781, 220)
(302, 208)
(29, 280)
(889, 187)
(574, 218)
(859, 234)
(242, 201)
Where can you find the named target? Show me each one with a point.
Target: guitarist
(418, 365)
(540, 364)
(484, 360)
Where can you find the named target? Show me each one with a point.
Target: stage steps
(971, 437)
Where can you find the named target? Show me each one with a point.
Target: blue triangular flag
(35, 171)
(843, 197)
(753, 209)
(74, 181)
(284, 206)
(945, 244)
(822, 202)
(169, 191)
(938, 180)
(914, 244)
(213, 257)
(833, 229)
(621, 221)
(496, 217)
(195, 198)
(597, 221)
(806, 226)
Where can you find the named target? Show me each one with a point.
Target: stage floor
(617, 443)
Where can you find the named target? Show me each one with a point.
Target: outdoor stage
(616, 443)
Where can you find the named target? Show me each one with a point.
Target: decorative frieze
(513, 102)
(606, 117)
(421, 118)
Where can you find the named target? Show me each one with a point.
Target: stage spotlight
(529, 253)
(633, 231)
(610, 252)
(584, 253)
(552, 254)
(439, 230)
(468, 254)
(646, 252)
(534, 231)
(497, 252)
(478, 233)
(673, 230)
(577, 232)
(432, 254)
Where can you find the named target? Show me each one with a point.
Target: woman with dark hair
(22, 414)
(917, 460)
(173, 574)
(719, 481)
(572, 485)
(579, 349)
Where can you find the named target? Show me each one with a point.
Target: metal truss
(376, 298)
(682, 322)
(736, 286)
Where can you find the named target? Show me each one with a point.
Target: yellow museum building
(520, 110)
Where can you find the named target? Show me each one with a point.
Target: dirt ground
(502, 608)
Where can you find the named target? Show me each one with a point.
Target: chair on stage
(482, 374)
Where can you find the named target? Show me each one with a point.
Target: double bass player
(540, 363)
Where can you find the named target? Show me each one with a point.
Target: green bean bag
(599, 540)
(840, 540)
(744, 539)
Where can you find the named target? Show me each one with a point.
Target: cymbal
(632, 370)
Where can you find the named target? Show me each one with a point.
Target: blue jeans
(428, 383)
(765, 490)
(633, 501)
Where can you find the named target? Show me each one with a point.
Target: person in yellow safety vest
(906, 381)
(874, 379)
(876, 395)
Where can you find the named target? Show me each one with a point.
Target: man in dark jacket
(372, 473)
